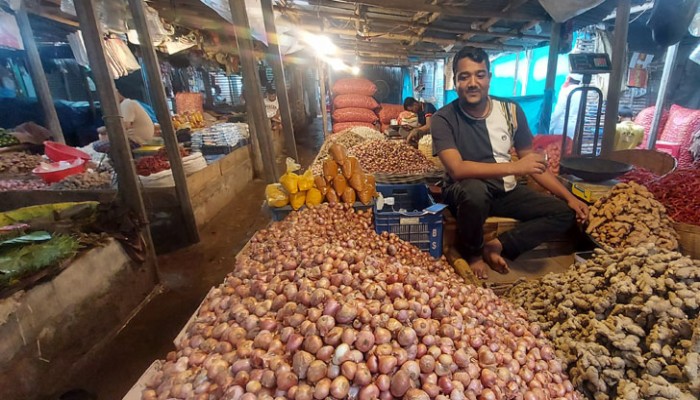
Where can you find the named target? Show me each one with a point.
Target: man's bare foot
(479, 267)
(492, 256)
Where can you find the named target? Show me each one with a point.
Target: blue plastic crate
(414, 217)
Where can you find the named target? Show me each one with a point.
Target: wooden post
(160, 105)
(253, 93)
(274, 57)
(324, 97)
(619, 64)
(41, 85)
(669, 64)
(548, 103)
(129, 185)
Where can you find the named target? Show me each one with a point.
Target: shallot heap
(319, 306)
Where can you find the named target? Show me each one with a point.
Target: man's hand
(580, 208)
(531, 164)
(413, 137)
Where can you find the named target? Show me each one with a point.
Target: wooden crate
(689, 239)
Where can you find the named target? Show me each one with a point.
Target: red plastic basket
(61, 152)
(57, 171)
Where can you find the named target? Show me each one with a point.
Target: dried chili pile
(146, 166)
(639, 175)
(679, 192)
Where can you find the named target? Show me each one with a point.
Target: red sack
(354, 115)
(354, 101)
(188, 102)
(341, 126)
(354, 86)
(645, 118)
(682, 124)
(389, 112)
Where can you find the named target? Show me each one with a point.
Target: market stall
(65, 269)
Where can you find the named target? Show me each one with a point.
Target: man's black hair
(409, 102)
(269, 89)
(473, 53)
(625, 112)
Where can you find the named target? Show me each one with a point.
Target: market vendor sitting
(424, 111)
(473, 136)
(138, 125)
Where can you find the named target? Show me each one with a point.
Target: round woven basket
(425, 145)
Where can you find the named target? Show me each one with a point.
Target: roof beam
(405, 5)
(407, 38)
(493, 20)
(417, 24)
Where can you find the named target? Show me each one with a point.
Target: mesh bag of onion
(319, 306)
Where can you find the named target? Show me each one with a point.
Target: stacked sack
(353, 104)
(388, 112)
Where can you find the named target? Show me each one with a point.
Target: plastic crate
(414, 217)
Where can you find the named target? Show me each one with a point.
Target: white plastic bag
(563, 10)
(159, 179)
(193, 163)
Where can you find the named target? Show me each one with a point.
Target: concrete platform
(46, 330)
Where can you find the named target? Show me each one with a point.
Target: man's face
(472, 81)
(271, 96)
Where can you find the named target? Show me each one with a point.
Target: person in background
(272, 108)
(625, 114)
(473, 136)
(556, 126)
(424, 111)
(138, 125)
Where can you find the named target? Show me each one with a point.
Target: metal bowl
(593, 169)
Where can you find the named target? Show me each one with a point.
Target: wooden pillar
(619, 64)
(38, 76)
(324, 97)
(274, 57)
(548, 103)
(255, 106)
(160, 105)
(129, 185)
(669, 64)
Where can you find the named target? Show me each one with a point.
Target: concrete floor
(189, 273)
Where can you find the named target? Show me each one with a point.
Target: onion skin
(340, 387)
(400, 383)
(322, 389)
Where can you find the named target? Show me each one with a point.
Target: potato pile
(319, 306)
(18, 162)
(392, 157)
(628, 216)
(626, 323)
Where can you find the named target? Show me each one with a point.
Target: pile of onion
(319, 306)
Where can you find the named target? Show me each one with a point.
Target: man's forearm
(550, 182)
(478, 170)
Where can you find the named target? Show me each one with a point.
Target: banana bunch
(192, 120)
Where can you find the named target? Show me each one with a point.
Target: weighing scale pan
(594, 169)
